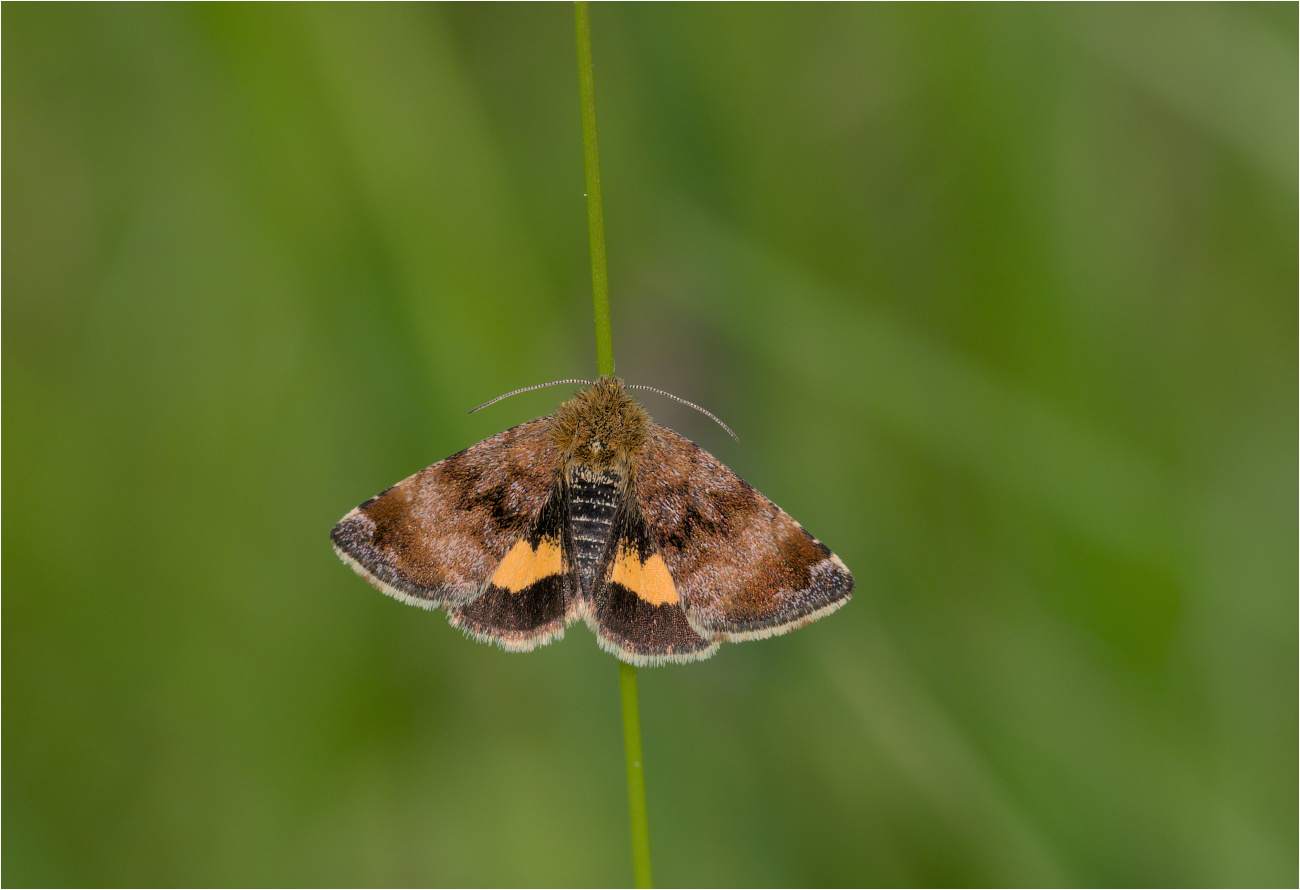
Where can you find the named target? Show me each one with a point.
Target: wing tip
(352, 539)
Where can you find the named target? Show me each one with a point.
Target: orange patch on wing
(649, 580)
(524, 566)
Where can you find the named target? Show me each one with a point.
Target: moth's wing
(636, 612)
(436, 538)
(744, 569)
(531, 595)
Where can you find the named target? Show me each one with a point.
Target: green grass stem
(640, 824)
(595, 210)
(635, 775)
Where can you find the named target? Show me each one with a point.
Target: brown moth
(594, 513)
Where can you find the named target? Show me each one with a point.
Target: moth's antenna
(530, 389)
(684, 402)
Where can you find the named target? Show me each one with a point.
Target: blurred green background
(1002, 301)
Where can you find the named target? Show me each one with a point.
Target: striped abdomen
(593, 502)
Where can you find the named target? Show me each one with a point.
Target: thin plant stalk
(605, 365)
(635, 775)
(595, 209)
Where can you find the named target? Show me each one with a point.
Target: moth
(599, 514)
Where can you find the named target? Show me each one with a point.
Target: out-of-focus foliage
(1002, 301)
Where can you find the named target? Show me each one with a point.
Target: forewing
(744, 569)
(436, 538)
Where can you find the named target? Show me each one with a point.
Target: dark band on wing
(638, 611)
(516, 620)
(528, 597)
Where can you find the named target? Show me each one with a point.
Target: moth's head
(601, 428)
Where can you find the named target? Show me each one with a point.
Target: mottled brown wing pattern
(435, 538)
(743, 567)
